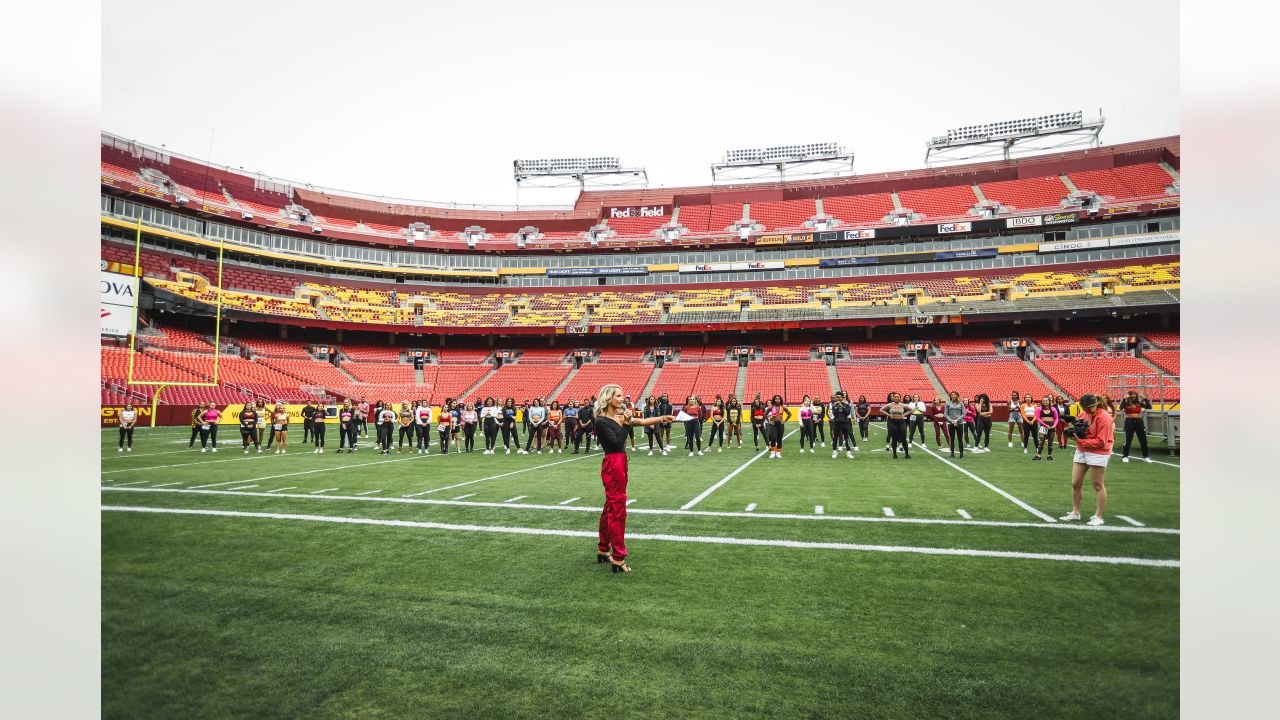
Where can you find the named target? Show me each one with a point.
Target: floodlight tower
(1014, 138)
(600, 172)
(825, 159)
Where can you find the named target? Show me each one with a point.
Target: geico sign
(638, 211)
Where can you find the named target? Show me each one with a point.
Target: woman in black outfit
(862, 411)
(820, 422)
(509, 431)
(983, 421)
(896, 411)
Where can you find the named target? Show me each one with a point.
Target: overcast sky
(433, 101)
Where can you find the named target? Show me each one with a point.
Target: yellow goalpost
(160, 385)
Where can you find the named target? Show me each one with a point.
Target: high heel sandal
(619, 565)
(603, 557)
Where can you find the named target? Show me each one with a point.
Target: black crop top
(611, 435)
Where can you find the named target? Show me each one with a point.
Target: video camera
(1078, 429)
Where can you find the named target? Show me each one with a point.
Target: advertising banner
(117, 294)
(231, 414)
(732, 267)
(596, 271)
(1060, 218)
(1124, 241)
(848, 261)
(1145, 239)
(1066, 245)
(1017, 222)
(956, 227)
(836, 235)
(960, 254)
(637, 211)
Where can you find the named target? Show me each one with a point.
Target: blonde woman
(611, 429)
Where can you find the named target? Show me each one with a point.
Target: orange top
(555, 416)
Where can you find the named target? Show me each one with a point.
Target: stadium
(839, 398)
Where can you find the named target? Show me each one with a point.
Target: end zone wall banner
(231, 413)
(959, 254)
(848, 261)
(117, 294)
(584, 272)
(732, 267)
(776, 239)
(955, 227)
(1145, 239)
(1066, 245)
(1017, 222)
(834, 235)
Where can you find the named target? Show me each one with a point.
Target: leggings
(469, 436)
(842, 431)
(584, 433)
(307, 426)
(536, 432)
(210, 435)
(406, 431)
(445, 434)
(248, 435)
(555, 438)
(820, 425)
(510, 433)
(1045, 440)
(1027, 436)
(863, 424)
(423, 435)
(1062, 433)
(385, 434)
(195, 433)
(1135, 426)
(317, 434)
(652, 434)
(982, 436)
(914, 423)
(806, 432)
(898, 436)
(758, 430)
(490, 433)
(955, 437)
(347, 435)
(773, 436)
(717, 431)
(271, 436)
(693, 435)
(126, 433)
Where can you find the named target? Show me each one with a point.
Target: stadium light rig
(1012, 138)
(597, 171)
(777, 162)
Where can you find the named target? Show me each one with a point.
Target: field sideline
(451, 586)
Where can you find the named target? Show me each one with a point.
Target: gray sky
(433, 101)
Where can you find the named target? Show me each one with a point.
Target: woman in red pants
(611, 425)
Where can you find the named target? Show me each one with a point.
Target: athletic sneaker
(130, 449)
(858, 449)
(1073, 515)
(204, 449)
(848, 454)
(1010, 444)
(508, 451)
(119, 449)
(664, 453)
(1024, 451)
(246, 451)
(699, 453)
(720, 450)
(1124, 459)
(259, 448)
(1095, 521)
(1145, 460)
(824, 443)
(834, 453)
(522, 451)
(215, 449)
(650, 453)
(690, 453)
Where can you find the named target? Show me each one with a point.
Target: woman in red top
(611, 423)
(1092, 453)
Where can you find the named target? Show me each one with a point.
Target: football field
(465, 585)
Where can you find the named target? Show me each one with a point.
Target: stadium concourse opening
(868, 423)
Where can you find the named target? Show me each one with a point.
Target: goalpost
(160, 385)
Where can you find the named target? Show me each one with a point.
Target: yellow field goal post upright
(160, 385)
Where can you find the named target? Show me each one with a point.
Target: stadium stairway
(977, 191)
(1154, 367)
(564, 383)
(419, 377)
(1071, 187)
(343, 370)
(933, 378)
(653, 380)
(740, 386)
(1045, 379)
(834, 379)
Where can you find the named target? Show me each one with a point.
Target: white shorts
(1091, 459)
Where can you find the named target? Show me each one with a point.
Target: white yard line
(464, 497)
(703, 495)
(518, 497)
(243, 487)
(169, 484)
(631, 501)
(317, 492)
(964, 514)
(509, 474)
(1043, 516)
(791, 544)
(291, 487)
(570, 500)
(369, 492)
(163, 467)
(1157, 462)
(658, 511)
(819, 510)
(142, 455)
(1131, 521)
(888, 512)
(751, 507)
(135, 482)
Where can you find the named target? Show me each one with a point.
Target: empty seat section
(274, 348)
(676, 381)
(949, 201)
(523, 381)
(1168, 360)
(1164, 339)
(766, 378)
(371, 353)
(998, 377)
(807, 378)
(876, 379)
(1067, 343)
(1089, 375)
(967, 346)
(774, 214)
(858, 209)
(381, 373)
(308, 372)
(453, 380)
(590, 378)
(714, 379)
(1028, 193)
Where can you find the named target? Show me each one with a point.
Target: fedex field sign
(638, 211)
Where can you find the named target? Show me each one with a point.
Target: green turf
(257, 617)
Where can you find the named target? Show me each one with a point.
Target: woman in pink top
(1093, 451)
(807, 429)
(209, 427)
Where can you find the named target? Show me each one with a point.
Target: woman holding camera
(1095, 436)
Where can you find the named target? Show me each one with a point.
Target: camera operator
(1131, 407)
(1094, 433)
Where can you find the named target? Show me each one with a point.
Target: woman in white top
(491, 419)
(128, 418)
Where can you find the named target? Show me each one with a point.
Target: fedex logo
(638, 211)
